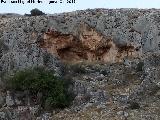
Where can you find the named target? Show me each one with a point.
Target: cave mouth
(72, 54)
(75, 54)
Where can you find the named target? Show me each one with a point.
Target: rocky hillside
(112, 55)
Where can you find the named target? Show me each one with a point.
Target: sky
(58, 7)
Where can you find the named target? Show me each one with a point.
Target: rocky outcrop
(92, 35)
(19, 48)
(87, 44)
(123, 42)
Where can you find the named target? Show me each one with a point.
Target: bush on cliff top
(35, 12)
(54, 90)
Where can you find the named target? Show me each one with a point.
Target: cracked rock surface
(112, 56)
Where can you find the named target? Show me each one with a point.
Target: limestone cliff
(92, 35)
(87, 45)
(125, 44)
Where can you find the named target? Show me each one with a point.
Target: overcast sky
(9, 7)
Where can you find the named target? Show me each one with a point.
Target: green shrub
(54, 90)
(36, 12)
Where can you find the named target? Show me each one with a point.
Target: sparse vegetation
(54, 90)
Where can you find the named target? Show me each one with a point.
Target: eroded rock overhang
(87, 44)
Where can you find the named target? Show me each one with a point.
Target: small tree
(36, 12)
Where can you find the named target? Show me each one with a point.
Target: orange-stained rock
(86, 45)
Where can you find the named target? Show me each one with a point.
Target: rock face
(91, 35)
(88, 44)
(19, 49)
(125, 44)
